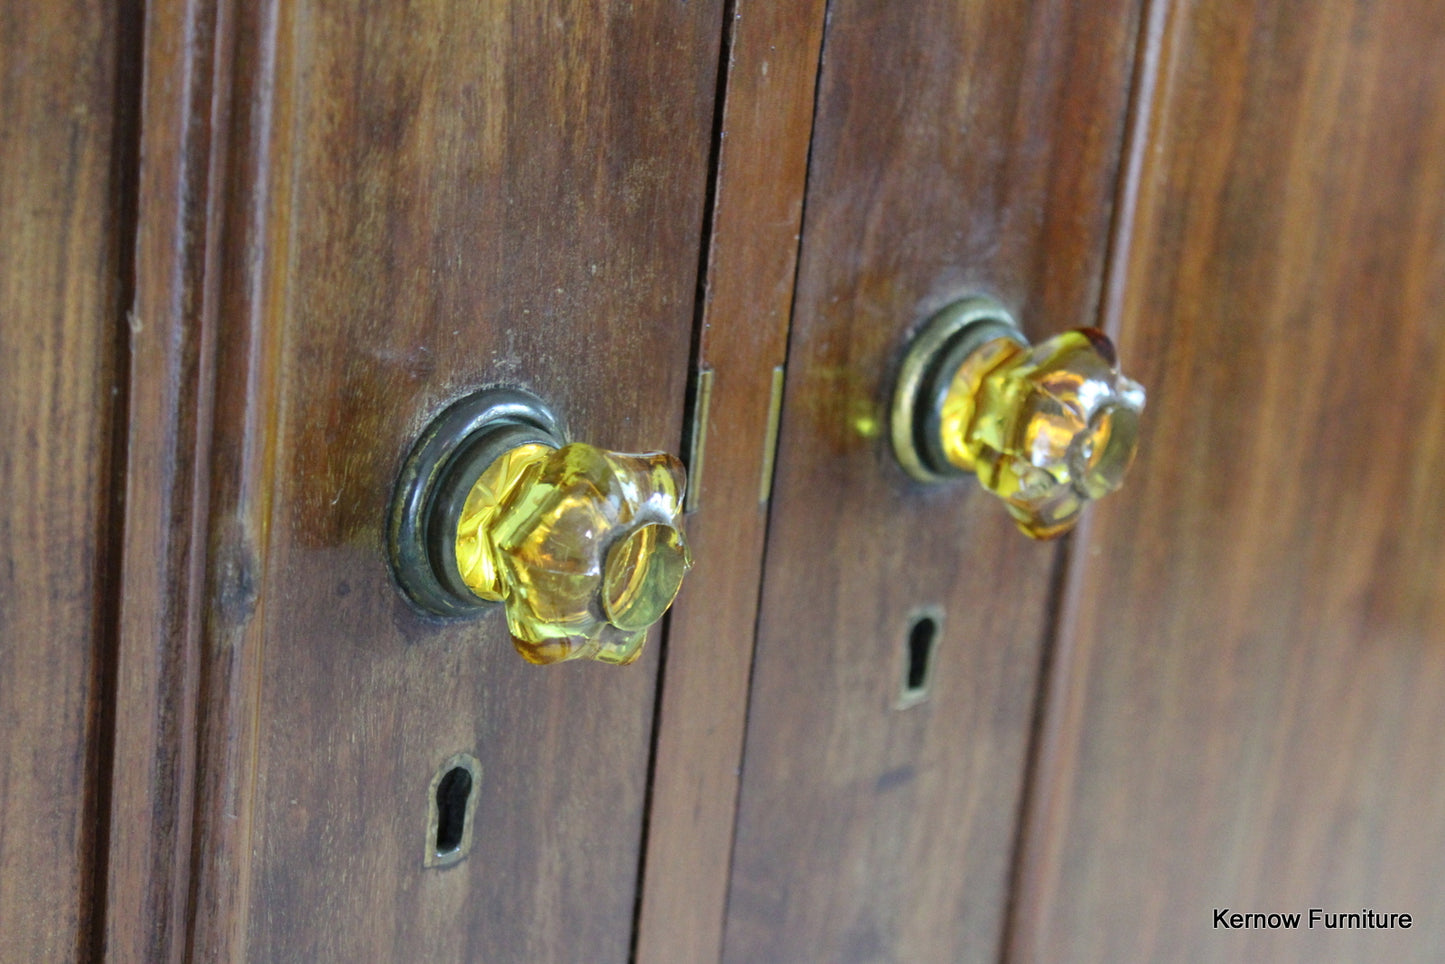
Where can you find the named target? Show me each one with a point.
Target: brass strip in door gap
(770, 441)
(701, 402)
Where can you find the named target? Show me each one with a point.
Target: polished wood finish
(762, 154)
(403, 204)
(957, 147)
(172, 341)
(65, 162)
(1246, 709)
(227, 309)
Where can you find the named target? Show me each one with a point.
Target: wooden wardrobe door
(1245, 711)
(404, 202)
(958, 147)
(761, 161)
(66, 156)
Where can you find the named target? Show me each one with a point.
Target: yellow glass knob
(583, 547)
(1047, 428)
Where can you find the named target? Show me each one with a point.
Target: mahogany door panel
(1245, 709)
(408, 202)
(66, 159)
(957, 147)
(761, 159)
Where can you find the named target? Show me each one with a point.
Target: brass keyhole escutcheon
(1048, 428)
(582, 546)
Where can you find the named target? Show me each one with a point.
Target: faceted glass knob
(1047, 428)
(582, 546)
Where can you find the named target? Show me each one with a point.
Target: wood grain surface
(65, 158)
(757, 207)
(1246, 710)
(171, 375)
(418, 201)
(957, 147)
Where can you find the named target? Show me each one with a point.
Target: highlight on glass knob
(1047, 427)
(583, 547)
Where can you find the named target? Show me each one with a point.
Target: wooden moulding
(761, 161)
(67, 158)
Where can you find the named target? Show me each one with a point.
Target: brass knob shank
(434, 483)
(926, 374)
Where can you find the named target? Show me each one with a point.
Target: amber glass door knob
(1047, 427)
(582, 546)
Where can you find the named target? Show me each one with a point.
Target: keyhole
(452, 795)
(451, 812)
(918, 658)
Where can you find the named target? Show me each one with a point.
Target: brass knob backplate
(583, 547)
(1047, 427)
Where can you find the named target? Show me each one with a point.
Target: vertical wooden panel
(762, 160)
(1246, 712)
(59, 334)
(163, 554)
(423, 199)
(957, 147)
